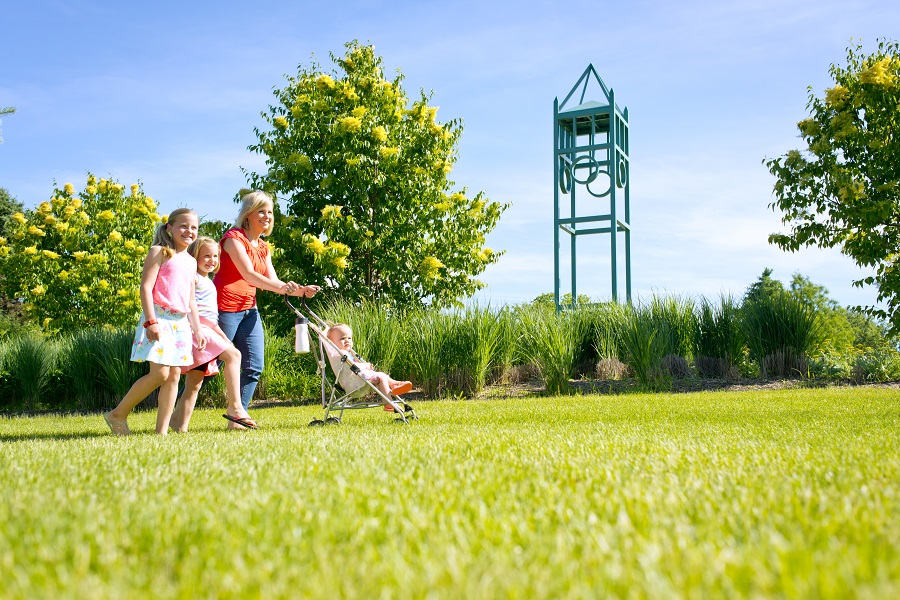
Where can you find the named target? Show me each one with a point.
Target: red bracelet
(149, 323)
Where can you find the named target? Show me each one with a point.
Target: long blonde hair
(196, 248)
(163, 238)
(252, 201)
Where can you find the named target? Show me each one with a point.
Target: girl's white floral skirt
(173, 347)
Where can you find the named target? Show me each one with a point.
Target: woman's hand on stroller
(307, 291)
(295, 289)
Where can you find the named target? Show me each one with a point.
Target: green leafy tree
(362, 171)
(839, 328)
(213, 228)
(870, 333)
(836, 330)
(764, 287)
(843, 189)
(76, 259)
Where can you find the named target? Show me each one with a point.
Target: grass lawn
(792, 493)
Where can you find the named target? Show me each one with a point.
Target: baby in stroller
(342, 337)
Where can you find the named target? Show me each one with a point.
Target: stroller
(350, 389)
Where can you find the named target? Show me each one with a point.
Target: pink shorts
(215, 345)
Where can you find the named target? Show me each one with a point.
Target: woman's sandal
(243, 421)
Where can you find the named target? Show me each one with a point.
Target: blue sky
(168, 94)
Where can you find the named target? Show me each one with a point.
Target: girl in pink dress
(168, 318)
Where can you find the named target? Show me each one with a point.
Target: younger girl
(206, 251)
(169, 315)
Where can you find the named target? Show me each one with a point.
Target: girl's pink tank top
(172, 289)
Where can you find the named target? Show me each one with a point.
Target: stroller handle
(319, 320)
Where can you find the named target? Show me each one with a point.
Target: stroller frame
(334, 397)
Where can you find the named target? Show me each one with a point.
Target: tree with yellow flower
(75, 260)
(843, 189)
(363, 173)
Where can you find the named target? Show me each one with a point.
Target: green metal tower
(590, 156)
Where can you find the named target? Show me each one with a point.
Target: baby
(342, 337)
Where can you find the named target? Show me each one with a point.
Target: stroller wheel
(332, 421)
(316, 423)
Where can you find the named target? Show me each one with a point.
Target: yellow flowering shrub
(841, 189)
(362, 170)
(91, 243)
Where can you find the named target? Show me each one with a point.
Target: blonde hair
(163, 238)
(196, 248)
(252, 201)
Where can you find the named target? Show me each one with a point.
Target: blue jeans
(245, 330)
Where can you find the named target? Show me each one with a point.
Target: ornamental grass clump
(27, 363)
(783, 325)
(506, 355)
(554, 342)
(96, 370)
(676, 322)
(483, 332)
(607, 320)
(453, 354)
(719, 337)
(425, 340)
(83, 366)
(119, 372)
(286, 374)
(638, 337)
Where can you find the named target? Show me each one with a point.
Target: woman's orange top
(235, 293)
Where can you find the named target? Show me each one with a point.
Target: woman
(246, 264)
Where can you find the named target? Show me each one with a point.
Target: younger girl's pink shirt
(172, 289)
